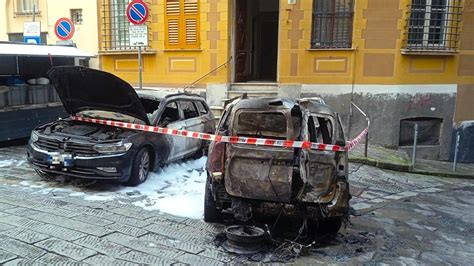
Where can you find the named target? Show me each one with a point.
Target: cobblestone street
(400, 218)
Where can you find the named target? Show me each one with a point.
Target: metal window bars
(433, 25)
(115, 26)
(332, 24)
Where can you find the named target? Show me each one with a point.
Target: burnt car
(246, 181)
(96, 151)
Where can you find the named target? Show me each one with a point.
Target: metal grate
(76, 16)
(434, 25)
(332, 24)
(115, 25)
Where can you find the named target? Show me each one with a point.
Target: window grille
(76, 16)
(332, 24)
(26, 6)
(434, 25)
(115, 25)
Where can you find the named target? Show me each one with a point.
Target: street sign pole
(137, 13)
(140, 67)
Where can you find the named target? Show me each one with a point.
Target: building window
(182, 24)
(429, 131)
(27, 6)
(332, 24)
(434, 25)
(76, 16)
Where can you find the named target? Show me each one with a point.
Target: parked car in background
(249, 181)
(94, 151)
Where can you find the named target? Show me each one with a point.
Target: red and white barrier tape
(228, 139)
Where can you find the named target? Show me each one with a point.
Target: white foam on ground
(176, 189)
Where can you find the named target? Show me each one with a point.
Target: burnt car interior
(170, 114)
(151, 108)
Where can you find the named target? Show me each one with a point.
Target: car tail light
(217, 158)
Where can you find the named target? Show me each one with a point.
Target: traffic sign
(64, 29)
(32, 32)
(137, 12)
(138, 35)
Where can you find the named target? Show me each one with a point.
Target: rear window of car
(261, 125)
(201, 108)
(189, 110)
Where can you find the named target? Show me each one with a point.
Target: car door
(317, 168)
(193, 123)
(172, 117)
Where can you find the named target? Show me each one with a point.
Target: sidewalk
(400, 161)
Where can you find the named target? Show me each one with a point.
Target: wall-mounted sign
(137, 12)
(64, 29)
(32, 32)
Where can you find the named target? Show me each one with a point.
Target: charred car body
(95, 151)
(247, 180)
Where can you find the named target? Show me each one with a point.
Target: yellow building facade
(84, 14)
(402, 60)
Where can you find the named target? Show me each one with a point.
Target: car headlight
(113, 147)
(34, 136)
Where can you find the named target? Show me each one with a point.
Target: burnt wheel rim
(144, 166)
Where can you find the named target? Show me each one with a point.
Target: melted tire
(211, 214)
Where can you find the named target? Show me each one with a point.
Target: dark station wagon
(95, 151)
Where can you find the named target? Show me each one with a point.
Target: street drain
(244, 239)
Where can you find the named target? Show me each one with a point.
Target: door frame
(232, 45)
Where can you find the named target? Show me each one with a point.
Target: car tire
(140, 168)
(211, 214)
(330, 226)
(46, 176)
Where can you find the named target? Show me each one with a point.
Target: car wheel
(211, 214)
(140, 168)
(330, 226)
(46, 176)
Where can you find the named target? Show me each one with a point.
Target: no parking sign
(64, 29)
(137, 12)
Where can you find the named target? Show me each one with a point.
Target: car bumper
(83, 166)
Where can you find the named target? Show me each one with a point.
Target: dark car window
(170, 114)
(201, 108)
(189, 109)
(262, 125)
(320, 129)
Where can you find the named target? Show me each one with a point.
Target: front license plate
(60, 159)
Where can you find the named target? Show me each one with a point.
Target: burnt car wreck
(249, 181)
(101, 152)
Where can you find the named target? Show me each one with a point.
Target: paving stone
(17, 262)
(67, 249)
(138, 213)
(198, 260)
(144, 246)
(127, 229)
(92, 220)
(4, 206)
(53, 259)
(25, 235)
(4, 227)
(214, 253)
(173, 243)
(21, 249)
(102, 245)
(57, 211)
(58, 232)
(73, 224)
(186, 233)
(6, 256)
(104, 260)
(140, 257)
(117, 218)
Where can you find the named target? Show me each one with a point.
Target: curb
(407, 168)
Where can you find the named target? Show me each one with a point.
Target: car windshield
(261, 125)
(99, 114)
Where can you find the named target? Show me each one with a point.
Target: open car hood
(82, 89)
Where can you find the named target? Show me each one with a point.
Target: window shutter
(191, 21)
(172, 23)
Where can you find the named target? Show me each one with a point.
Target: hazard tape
(228, 139)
